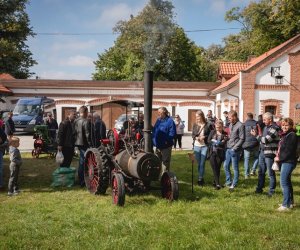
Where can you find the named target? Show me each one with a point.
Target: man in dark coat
(251, 145)
(83, 140)
(52, 126)
(9, 125)
(66, 139)
(100, 129)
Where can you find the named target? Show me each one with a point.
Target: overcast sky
(71, 56)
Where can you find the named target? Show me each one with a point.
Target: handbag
(59, 157)
(275, 166)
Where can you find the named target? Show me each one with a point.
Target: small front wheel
(33, 153)
(36, 152)
(169, 186)
(118, 189)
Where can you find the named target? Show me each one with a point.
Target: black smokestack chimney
(148, 95)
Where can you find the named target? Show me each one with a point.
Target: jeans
(1, 169)
(255, 164)
(81, 167)
(232, 156)
(200, 154)
(286, 183)
(247, 153)
(265, 163)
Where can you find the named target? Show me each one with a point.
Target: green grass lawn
(42, 217)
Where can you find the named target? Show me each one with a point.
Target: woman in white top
(200, 133)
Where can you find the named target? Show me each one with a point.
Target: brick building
(270, 82)
(183, 98)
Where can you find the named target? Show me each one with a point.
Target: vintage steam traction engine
(128, 163)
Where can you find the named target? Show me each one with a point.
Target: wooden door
(65, 112)
(191, 118)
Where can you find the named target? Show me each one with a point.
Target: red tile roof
(4, 90)
(254, 62)
(265, 55)
(231, 68)
(5, 76)
(226, 85)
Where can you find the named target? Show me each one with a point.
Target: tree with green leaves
(266, 24)
(150, 41)
(15, 57)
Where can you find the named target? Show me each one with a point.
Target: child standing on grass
(15, 163)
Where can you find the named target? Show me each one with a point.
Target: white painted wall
(264, 76)
(261, 95)
(184, 111)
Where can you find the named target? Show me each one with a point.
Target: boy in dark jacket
(14, 166)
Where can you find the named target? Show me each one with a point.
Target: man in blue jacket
(163, 135)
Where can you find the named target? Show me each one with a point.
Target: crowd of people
(226, 141)
(216, 141)
(83, 132)
(270, 144)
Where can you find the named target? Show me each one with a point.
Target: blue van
(27, 110)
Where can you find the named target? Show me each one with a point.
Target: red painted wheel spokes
(93, 173)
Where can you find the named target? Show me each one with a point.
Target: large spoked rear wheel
(95, 172)
(169, 186)
(118, 189)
